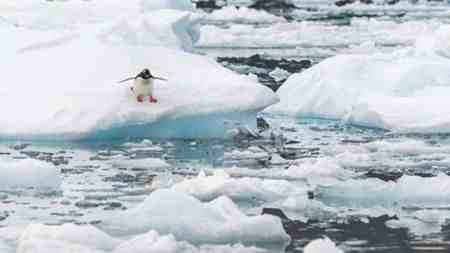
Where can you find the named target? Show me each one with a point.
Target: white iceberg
(60, 81)
(406, 90)
(177, 213)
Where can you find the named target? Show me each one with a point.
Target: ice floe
(177, 213)
(81, 98)
(28, 173)
(407, 191)
(89, 239)
(403, 91)
(321, 246)
(207, 188)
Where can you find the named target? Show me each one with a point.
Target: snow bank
(25, 173)
(37, 238)
(219, 221)
(403, 91)
(64, 76)
(207, 188)
(322, 246)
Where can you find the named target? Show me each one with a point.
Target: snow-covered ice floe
(37, 238)
(177, 213)
(406, 90)
(207, 188)
(26, 173)
(61, 63)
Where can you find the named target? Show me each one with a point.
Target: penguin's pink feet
(153, 100)
(140, 98)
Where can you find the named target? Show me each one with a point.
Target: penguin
(143, 85)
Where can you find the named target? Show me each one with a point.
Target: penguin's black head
(145, 74)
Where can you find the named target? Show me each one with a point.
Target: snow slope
(61, 62)
(406, 90)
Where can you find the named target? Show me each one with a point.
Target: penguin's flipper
(160, 78)
(128, 79)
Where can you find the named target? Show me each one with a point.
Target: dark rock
(86, 204)
(340, 3)
(392, 2)
(262, 66)
(384, 175)
(207, 5)
(20, 146)
(262, 124)
(274, 212)
(273, 6)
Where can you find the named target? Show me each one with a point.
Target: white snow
(322, 246)
(62, 61)
(405, 90)
(218, 221)
(25, 173)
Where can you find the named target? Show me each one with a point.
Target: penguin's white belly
(143, 87)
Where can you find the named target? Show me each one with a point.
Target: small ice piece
(219, 221)
(251, 156)
(279, 74)
(242, 15)
(324, 245)
(207, 188)
(26, 173)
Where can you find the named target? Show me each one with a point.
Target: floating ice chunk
(143, 144)
(153, 242)
(152, 163)
(324, 245)
(64, 238)
(220, 183)
(243, 15)
(219, 221)
(407, 191)
(279, 74)
(410, 96)
(38, 238)
(26, 173)
(317, 168)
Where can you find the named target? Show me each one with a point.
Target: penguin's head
(145, 74)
